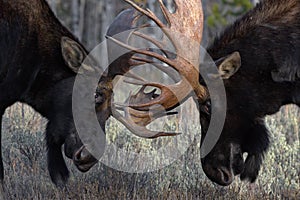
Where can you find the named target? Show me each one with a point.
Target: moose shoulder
(39, 59)
(267, 40)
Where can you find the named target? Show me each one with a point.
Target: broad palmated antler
(184, 30)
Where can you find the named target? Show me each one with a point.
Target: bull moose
(39, 60)
(265, 45)
(258, 56)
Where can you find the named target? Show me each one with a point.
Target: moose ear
(229, 65)
(73, 53)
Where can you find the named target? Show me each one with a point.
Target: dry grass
(27, 176)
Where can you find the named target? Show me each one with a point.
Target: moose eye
(206, 107)
(208, 104)
(99, 98)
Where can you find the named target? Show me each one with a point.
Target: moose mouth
(85, 167)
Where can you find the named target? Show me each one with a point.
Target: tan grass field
(26, 175)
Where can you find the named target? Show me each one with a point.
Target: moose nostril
(226, 176)
(83, 156)
(78, 155)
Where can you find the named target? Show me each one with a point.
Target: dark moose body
(39, 59)
(267, 39)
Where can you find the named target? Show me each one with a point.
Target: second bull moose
(259, 59)
(266, 42)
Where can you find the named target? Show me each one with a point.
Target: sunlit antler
(136, 121)
(184, 29)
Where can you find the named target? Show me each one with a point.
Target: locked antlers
(184, 30)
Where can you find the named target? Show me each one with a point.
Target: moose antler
(184, 30)
(136, 121)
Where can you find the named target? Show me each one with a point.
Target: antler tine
(160, 45)
(165, 11)
(136, 121)
(142, 60)
(143, 52)
(171, 73)
(138, 130)
(147, 12)
(139, 115)
(143, 118)
(157, 43)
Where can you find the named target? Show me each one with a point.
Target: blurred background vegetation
(24, 148)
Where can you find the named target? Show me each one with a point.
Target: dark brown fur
(33, 71)
(268, 40)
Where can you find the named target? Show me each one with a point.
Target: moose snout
(220, 175)
(225, 176)
(84, 160)
(222, 167)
